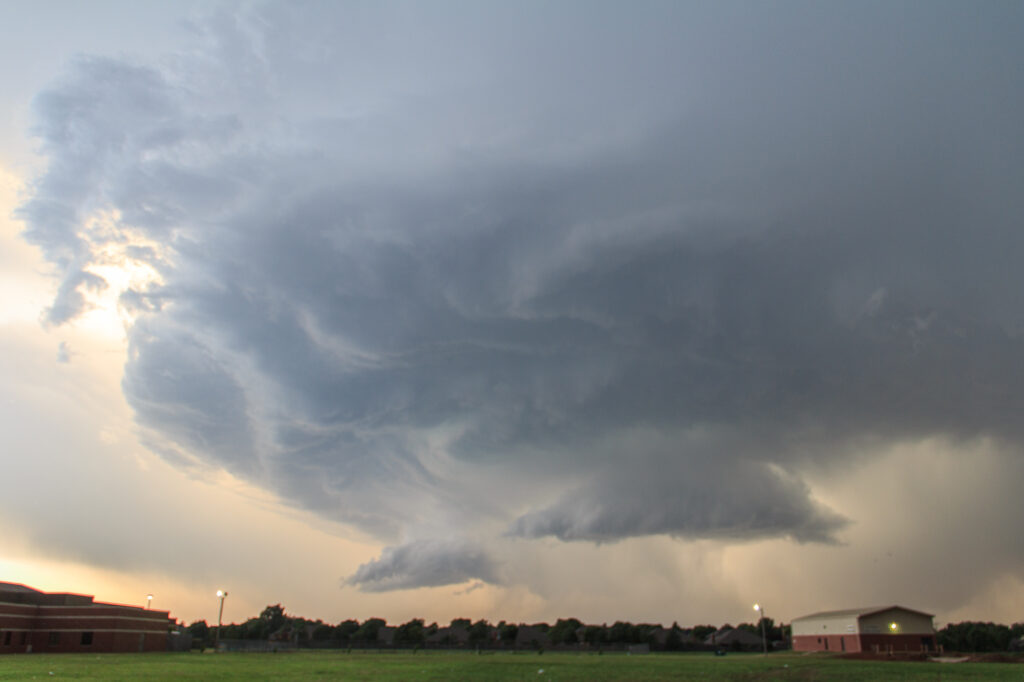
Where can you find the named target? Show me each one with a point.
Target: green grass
(452, 667)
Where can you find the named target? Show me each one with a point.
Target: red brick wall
(867, 643)
(898, 643)
(847, 643)
(59, 629)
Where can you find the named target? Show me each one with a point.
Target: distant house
(734, 638)
(659, 635)
(879, 629)
(452, 635)
(58, 622)
(686, 639)
(532, 637)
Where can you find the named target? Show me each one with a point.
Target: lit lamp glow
(764, 638)
(894, 627)
(149, 600)
(220, 616)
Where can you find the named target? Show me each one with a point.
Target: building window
(54, 639)
(86, 639)
(24, 638)
(7, 638)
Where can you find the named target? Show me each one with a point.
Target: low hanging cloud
(426, 563)
(729, 499)
(450, 276)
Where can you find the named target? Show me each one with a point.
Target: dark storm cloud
(582, 272)
(724, 497)
(190, 396)
(425, 563)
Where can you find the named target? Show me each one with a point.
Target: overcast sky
(516, 311)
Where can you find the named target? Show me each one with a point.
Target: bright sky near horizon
(643, 311)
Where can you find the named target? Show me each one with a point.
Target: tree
(299, 631)
(674, 640)
(644, 633)
(564, 631)
(344, 630)
(749, 627)
(369, 630)
(973, 636)
(411, 633)
(507, 632)
(620, 633)
(255, 628)
(479, 633)
(701, 632)
(200, 632)
(595, 635)
(274, 617)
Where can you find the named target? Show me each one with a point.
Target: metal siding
(909, 622)
(843, 625)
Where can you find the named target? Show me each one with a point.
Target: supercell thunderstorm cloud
(578, 272)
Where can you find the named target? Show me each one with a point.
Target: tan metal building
(878, 629)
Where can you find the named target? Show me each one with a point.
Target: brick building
(50, 622)
(877, 629)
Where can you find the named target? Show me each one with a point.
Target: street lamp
(764, 639)
(220, 617)
(149, 600)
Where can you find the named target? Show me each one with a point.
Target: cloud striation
(567, 271)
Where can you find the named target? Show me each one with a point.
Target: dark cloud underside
(653, 261)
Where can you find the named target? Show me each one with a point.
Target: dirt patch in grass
(916, 657)
(996, 658)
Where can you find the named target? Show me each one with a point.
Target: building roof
(733, 635)
(17, 587)
(860, 612)
(528, 634)
(453, 634)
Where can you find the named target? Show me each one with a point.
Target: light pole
(220, 617)
(149, 601)
(764, 639)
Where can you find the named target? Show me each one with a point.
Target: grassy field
(446, 666)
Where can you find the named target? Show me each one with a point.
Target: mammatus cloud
(466, 275)
(426, 563)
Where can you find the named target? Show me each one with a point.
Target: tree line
(980, 637)
(274, 624)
